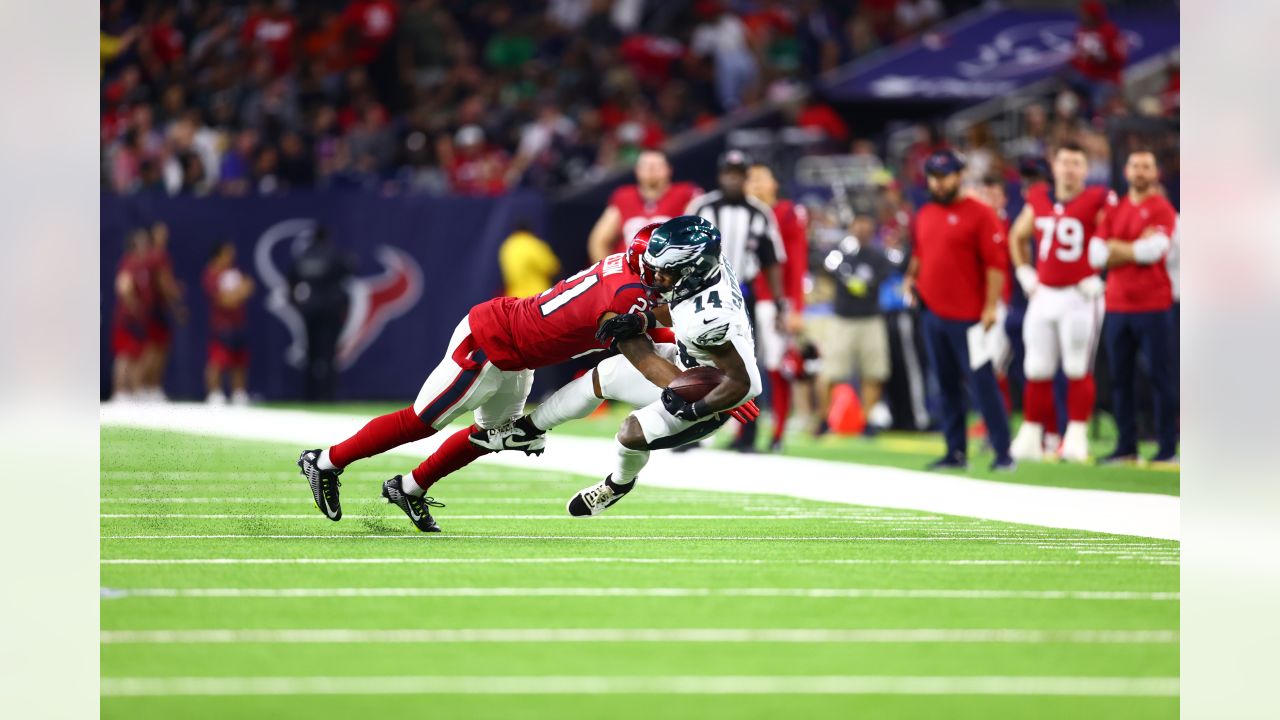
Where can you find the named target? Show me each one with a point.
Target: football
(693, 385)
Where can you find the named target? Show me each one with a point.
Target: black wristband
(651, 320)
(700, 409)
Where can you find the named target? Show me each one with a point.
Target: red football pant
(380, 435)
(1037, 404)
(1081, 394)
(780, 398)
(455, 453)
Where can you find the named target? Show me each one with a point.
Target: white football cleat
(597, 498)
(1028, 444)
(1075, 443)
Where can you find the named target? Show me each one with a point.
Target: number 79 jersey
(1062, 232)
(560, 323)
(715, 316)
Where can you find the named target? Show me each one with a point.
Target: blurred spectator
(819, 116)
(317, 283)
(228, 290)
(856, 341)
(722, 36)
(369, 25)
(528, 264)
(1100, 54)
(542, 144)
(477, 167)
(344, 78)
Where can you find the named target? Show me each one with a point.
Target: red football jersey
(221, 317)
(1062, 232)
(793, 224)
(956, 244)
(137, 268)
(636, 212)
(560, 323)
(1132, 287)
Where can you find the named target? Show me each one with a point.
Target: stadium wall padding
(453, 242)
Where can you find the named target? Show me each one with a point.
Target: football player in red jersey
(1133, 241)
(228, 290)
(793, 225)
(129, 318)
(164, 310)
(653, 199)
(1063, 322)
(488, 370)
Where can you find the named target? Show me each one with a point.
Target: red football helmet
(638, 245)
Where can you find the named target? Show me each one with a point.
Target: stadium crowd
(257, 97)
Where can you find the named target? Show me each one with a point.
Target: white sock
(575, 400)
(411, 486)
(630, 463)
(324, 463)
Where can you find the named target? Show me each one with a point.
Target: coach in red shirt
(1133, 241)
(957, 268)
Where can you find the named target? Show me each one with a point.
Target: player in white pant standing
(683, 264)
(1064, 314)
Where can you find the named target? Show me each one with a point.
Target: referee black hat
(734, 160)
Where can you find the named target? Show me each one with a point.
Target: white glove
(1091, 287)
(1099, 253)
(1151, 248)
(1028, 278)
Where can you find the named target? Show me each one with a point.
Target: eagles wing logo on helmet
(689, 248)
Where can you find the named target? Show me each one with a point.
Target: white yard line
(633, 592)
(572, 560)
(621, 635)
(432, 537)
(645, 685)
(560, 516)
(1095, 510)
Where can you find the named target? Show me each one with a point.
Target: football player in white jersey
(703, 304)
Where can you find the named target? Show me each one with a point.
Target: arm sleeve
(796, 240)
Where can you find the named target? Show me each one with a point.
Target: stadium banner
(987, 53)
(421, 263)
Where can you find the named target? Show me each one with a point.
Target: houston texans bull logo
(374, 300)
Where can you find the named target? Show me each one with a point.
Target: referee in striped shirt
(751, 244)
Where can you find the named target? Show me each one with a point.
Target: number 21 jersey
(560, 323)
(1062, 232)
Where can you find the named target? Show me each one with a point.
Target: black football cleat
(324, 484)
(597, 498)
(1119, 457)
(519, 435)
(1003, 464)
(955, 461)
(412, 505)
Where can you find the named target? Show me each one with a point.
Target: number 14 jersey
(560, 323)
(1062, 232)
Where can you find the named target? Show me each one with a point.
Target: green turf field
(226, 594)
(895, 449)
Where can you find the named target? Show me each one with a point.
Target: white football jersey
(715, 316)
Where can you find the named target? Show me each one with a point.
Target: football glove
(746, 413)
(681, 408)
(1092, 287)
(623, 327)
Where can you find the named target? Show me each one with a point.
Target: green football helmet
(687, 247)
